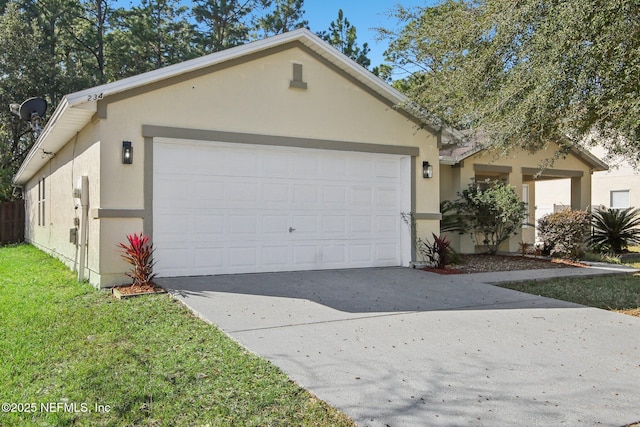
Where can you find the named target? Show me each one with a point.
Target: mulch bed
(482, 263)
(129, 291)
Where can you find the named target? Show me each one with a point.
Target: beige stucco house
(282, 154)
(462, 163)
(616, 188)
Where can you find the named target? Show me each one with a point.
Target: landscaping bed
(482, 263)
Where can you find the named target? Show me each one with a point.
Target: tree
(286, 16)
(528, 72)
(87, 28)
(150, 36)
(224, 23)
(491, 212)
(342, 35)
(24, 74)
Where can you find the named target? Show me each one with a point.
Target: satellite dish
(33, 107)
(31, 110)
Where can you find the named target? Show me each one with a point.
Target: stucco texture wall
(249, 97)
(81, 156)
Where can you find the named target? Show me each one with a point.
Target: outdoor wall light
(127, 153)
(427, 170)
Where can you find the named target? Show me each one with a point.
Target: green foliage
(451, 221)
(526, 73)
(563, 233)
(342, 35)
(223, 23)
(491, 212)
(286, 16)
(615, 229)
(149, 36)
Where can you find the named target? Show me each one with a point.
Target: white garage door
(233, 208)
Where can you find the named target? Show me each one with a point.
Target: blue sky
(365, 15)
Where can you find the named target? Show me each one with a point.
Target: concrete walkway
(402, 347)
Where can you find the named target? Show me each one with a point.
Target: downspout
(84, 225)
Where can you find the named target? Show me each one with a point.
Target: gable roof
(456, 153)
(76, 110)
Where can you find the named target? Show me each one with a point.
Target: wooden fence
(11, 222)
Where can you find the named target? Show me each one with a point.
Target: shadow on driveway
(371, 290)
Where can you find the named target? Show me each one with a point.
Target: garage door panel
(243, 225)
(335, 168)
(334, 255)
(211, 191)
(303, 165)
(361, 196)
(304, 224)
(217, 211)
(243, 257)
(386, 197)
(276, 225)
(336, 195)
(305, 255)
(242, 191)
(304, 194)
(209, 258)
(386, 251)
(386, 169)
(276, 256)
(275, 192)
(361, 252)
(208, 225)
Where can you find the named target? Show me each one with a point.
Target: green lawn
(66, 348)
(617, 292)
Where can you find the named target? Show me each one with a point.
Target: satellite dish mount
(32, 111)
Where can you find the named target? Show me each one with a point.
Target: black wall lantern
(427, 170)
(127, 153)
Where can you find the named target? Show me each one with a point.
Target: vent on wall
(297, 77)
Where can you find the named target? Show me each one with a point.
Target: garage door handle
(291, 229)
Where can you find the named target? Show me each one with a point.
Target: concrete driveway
(402, 347)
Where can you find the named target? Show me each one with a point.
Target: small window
(619, 199)
(41, 202)
(525, 199)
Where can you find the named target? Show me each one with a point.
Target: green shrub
(614, 230)
(563, 233)
(491, 212)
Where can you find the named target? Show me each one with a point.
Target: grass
(619, 292)
(148, 359)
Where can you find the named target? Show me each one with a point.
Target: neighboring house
(618, 187)
(282, 154)
(462, 164)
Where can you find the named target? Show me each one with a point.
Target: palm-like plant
(615, 229)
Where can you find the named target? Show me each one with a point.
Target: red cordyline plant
(139, 253)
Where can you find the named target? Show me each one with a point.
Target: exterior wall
(79, 157)
(621, 176)
(579, 187)
(251, 97)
